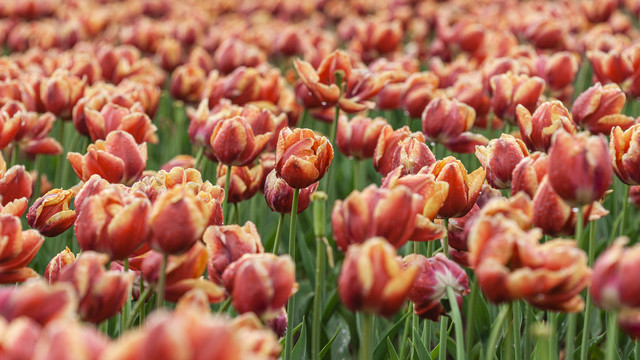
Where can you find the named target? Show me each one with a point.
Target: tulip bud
(60, 92)
(448, 122)
(387, 149)
(38, 301)
(372, 279)
(302, 157)
(16, 183)
(453, 172)
(500, 157)
(528, 174)
(244, 181)
(598, 109)
(279, 195)
(537, 129)
(187, 82)
(260, 283)
(59, 262)
(418, 91)
(113, 117)
(412, 155)
(357, 138)
(435, 274)
(50, 214)
(182, 161)
(625, 152)
(233, 142)
(509, 90)
(580, 167)
(614, 285)
(227, 244)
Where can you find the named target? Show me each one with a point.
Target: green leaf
(327, 346)
(330, 308)
(422, 351)
(435, 352)
(393, 355)
(389, 331)
(295, 331)
(299, 349)
(308, 261)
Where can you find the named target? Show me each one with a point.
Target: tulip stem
(515, 323)
(127, 306)
(225, 202)
(366, 348)
(442, 354)
(586, 325)
(457, 321)
(573, 318)
(276, 242)
(199, 157)
(495, 332)
(236, 214)
(625, 206)
(292, 252)
(469, 335)
(332, 138)
(553, 328)
(161, 281)
(356, 174)
(445, 241)
(136, 308)
(612, 336)
(37, 184)
(319, 210)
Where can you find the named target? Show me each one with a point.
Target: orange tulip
(302, 157)
(625, 153)
(528, 174)
(500, 157)
(50, 214)
(357, 138)
(279, 195)
(114, 117)
(598, 108)
(59, 262)
(537, 129)
(234, 143)
(38, 301)
(463, 188)
(509, 90)
(388, 149)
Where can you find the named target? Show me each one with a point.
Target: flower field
(319, 179)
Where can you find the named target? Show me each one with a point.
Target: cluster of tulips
(478, 159)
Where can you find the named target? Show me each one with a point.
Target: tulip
(357, 138)
(448, 122)
(260, 283)
(376, 212)
(17, 251)
(244, 183)
(598, 108)
(19, 339)
(16, 183)
(38, 301)
(529, 172)
(233, 142)
(114, 222)
(614, 284)
(226, 244)
(625, 154)
(386, 150)
(509, 90)
(457, 234)
(537, 129)
(372, 279)
(322, 83)
(580, 169)
(417, 92)
(31, 134)
(558, 70)
(114, 117)
(60, 92)
(429, 288)
(101, 293)
(182, 161)
(59, 338)
(234, 53)
(463, 188)
(50, 214)
(59, 262)
(500, 157)
(279, 195)
(411, 155)
(302, 157)
(118, 159)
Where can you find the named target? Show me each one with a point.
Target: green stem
(319, 204)
(586, 325)
(127, 306)
(292, 300)
(236, 214)
(442, 354)
(366, 348)
(225, 202)
(143, 290)
(332, 137)
(403, 342)
(457, 321)
(445, 240)
(470, 334)
(303, 117)
(625, 206)
(276, 242)
(495, 332)
(199, 157)
(356, 174)
(553, 341)
(136, 308)
(515, 326)
(573, 318)
(161, 281)
(611, 352)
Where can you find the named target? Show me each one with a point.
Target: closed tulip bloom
(114, 117)
(234, 143)
(183, 161)
(457, 234)
(429, 288)
(184, 273)
(558, 70)
(50, 214)
(302, 157)
(610, 67)
(376, 212)
(500, 157)
(537, 129)
(59, 262)
(509, 90)
(598, 109)
(244, 181)
(18, 249)
(101, 293)
(118, 159)
(234, 53)
(187, 82)
(448, 122)
(614, 285)
(411, 155)
(114, 222)
(60, 92)
(260, 283)
(580, 169)
(372, 279)
(61, 337)
(226, 244)
(279, 195)
(625, 152)
(38, 301)
(15, 183)
(357, 138)
(528, 174)
(418, 91)
(388, 143)
(464, 188)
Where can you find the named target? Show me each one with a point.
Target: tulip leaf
(330, 308)
(393, 355)
(295, 331)
(308, 262)
(389, 331)
(327, 346)
(299, 349)
(422, 352)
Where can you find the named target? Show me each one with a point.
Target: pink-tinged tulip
(38, 301)
(114, 117)
(614, 283)
(279, 195)
(457, 233)
(50, 214)
(417, 92)
(234, 53)
(599, 10)
(182, 161)
(226, 244)
(376, 212)
(322, 82)
(302, 157)
(432, 193)
(464, 188)
(169, 53)
(387, 148)
(625, 152)
(411, 155)
(234, 143)
(19, 338)
(469, 90)
(537, 129)
(16, 207)
(18, 249)
(15, 183)
(60, 92)
(113, 221)
(558, 70)
(260, 283)
(361, 87)
(187, 82)
(598, 109)
(429, 288)
(448, 122)
(59, 262)
(118, 159)
(101, 293)
(500, 157)
(244, 181)
(27, 130)
(60, 338)
(509, 90)
(555, 217)
(610, 67)
(184, 273)
(372, 279)
(580, 169)
(528, 174)
(357, 138)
